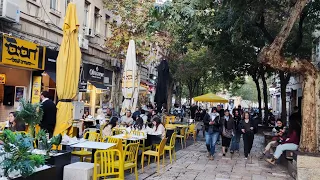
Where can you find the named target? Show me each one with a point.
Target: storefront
(97, 82)
(19, 58)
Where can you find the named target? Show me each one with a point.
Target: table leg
(92, 156)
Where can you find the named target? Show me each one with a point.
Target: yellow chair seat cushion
(151, 153)
(82, 153)
(127, 165)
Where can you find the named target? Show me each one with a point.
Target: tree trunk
(308, 141)
(256, 81)
(284, 80)
(265, 96)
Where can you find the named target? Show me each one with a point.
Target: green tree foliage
(247, 91)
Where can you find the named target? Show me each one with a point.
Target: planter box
(59, 161)
(48, 173)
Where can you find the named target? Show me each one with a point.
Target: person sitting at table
(15, 124)
(279, 134)
(141, 126)
(157, 133)
(127, 119)
(144, 116)
(107, 130)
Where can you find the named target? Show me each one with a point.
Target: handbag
(227, 133)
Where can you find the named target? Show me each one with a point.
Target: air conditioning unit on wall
(83, 43)
(88, 32)
(9, 11)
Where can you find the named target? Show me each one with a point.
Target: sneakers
(223, 154)
(231, 152)
(211, 158)
(208, 155)
(245, 158)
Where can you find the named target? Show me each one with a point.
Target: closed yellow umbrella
(210, 97)
(68, 69)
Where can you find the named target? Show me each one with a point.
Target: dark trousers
(247, 142)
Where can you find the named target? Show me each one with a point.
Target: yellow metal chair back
(137, 133)
(162, 145)
(173, 140)
(131, 153)
(104, 164)
(2, 125)
(92, 136)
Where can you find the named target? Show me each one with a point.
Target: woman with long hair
(237, 135)
(15, 124)
(228, 129)
(247, 128)
(158, 131)
(290, 143)
(107, 130)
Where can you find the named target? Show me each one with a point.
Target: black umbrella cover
(162, 84)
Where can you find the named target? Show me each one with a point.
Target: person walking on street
(228, 129)
(221, 113)
(247, 128)
(212, 131)
(236, 138)
(49, 117)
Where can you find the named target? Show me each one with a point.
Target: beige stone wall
(308, 167)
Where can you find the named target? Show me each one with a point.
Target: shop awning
(52, 75)
(99, 85)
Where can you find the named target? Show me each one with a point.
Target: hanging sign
(18, 52)
(93, 73)
(36, 89)
(83, 86)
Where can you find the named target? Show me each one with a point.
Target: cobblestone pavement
(192, 164)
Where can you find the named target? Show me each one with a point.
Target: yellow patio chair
(156, 154)
(2, 125)
(142, 146)
(171, 147)
(192, 131)
(105, 164)
(90, 136)
(182, 137)
(130, 157)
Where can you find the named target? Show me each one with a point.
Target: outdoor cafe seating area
(118, 155)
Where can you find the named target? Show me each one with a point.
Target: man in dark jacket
(48, 122)
(211, 122)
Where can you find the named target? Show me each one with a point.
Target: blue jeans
(235, 142)
(211, 140)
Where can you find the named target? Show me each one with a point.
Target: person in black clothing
(193, 110)
(212, 131)
(295, 117)
(247, 127)
(221, 112)
(236, 138)
(49, 117)
(136, 114)
(228, 129)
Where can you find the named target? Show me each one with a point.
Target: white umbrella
(130, 80)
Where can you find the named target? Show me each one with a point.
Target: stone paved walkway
(192, 164)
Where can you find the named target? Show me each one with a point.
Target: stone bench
(78, 171)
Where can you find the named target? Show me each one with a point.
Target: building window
(86, 14)
(54, 5)
(107, 30)
(96, 21)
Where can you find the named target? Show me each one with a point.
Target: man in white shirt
(127, 119)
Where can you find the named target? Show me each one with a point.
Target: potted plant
(30, 114)
(17, 156)
(46, 144)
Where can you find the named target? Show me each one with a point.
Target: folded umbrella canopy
(210, 97)
(68, 69)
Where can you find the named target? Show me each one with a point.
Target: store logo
(95, 73)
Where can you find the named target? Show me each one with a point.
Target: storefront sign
(83, 86)
(36, 89)
(18, 52)
(51, 60)
(93, 73)
(2, 79)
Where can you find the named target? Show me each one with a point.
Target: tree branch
(299, 39)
